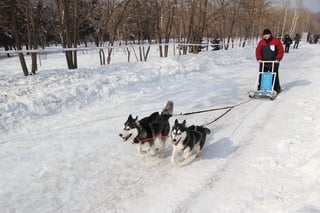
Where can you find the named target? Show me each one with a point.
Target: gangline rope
(228, 109)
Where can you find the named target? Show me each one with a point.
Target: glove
(276, 61)
(259, 61)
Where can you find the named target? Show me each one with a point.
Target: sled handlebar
(262, 65)
(260, 61)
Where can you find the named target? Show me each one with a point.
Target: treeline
(40, 23)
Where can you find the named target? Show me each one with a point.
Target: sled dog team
(187, 141)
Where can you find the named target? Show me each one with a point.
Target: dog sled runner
(264, 87)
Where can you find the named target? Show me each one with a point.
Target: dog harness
(144, 140)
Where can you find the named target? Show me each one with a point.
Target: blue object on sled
(266, 81)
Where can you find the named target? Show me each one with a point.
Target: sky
(313, 5)
(60, 149)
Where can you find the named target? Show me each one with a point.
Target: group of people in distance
(287, 41)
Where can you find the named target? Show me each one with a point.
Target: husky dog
(187, 140)
(146, 131)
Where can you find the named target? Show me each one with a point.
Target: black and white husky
(188, 140)
(146, 131)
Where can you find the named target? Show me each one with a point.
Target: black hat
(266, 31)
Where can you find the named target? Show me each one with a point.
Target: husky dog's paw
(161, 155)
(141, 151)
(153, 152)
(181, 159)
(198, 154)
(174, 162)
(160, 152)
(188, 160)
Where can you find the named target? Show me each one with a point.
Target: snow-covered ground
(60, 150)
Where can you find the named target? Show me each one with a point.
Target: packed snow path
(60, 150)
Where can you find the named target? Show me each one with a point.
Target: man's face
(266, 36)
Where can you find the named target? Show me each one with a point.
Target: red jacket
(269, 50)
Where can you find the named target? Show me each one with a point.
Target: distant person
(296, 41)
(270, 48)
(287, 41)
(316, 39)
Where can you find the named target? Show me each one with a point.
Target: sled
(267, 80)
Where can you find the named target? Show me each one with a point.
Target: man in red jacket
(270, 49)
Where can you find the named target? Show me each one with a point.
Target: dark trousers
(268, 68)
(296, 44)
(286, 48)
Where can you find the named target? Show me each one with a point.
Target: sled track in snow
(217, 175)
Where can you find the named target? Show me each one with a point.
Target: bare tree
(233, 17)
(32, 11)
(192, 21)
(252, 12)
(143, 22)
(100, 14)
(14, 22)
(119, 14)
(106, 18)
(143, 26)
(6, 37)
(165, 11)
(223, 21)
(68, 23)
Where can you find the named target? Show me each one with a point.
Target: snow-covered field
(60, 150)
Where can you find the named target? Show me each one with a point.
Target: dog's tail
(168, 109)
(202, 129)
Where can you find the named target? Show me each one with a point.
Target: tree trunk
(34, 66)
(102, 57)
(68, 12)
(129, 53)
(13, 9)
(109, 55)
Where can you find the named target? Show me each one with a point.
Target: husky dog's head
(178, 132)
(131, 130)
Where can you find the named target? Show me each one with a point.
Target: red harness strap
(163, 137)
